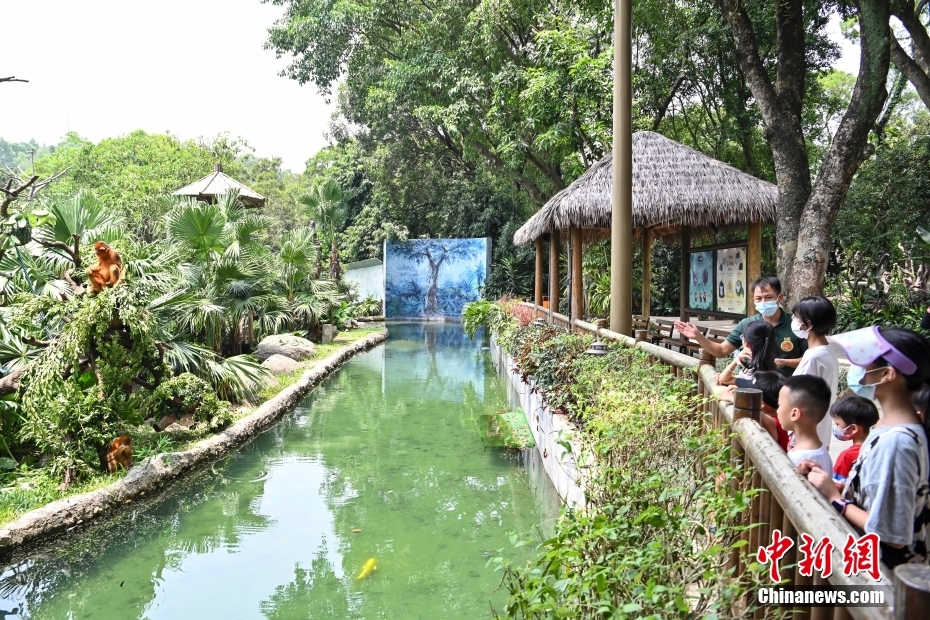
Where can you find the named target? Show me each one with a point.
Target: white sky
(104, 68)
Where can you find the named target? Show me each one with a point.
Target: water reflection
(384, 460)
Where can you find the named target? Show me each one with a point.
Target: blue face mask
(854, 381)
(841, 433)
(767, 308)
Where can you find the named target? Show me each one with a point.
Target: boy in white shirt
(814, 318)
(802, 403)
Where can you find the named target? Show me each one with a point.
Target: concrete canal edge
(557, 440)
(159, 471)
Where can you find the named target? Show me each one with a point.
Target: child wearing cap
(887, 492)
(802, 403)
(853, 417)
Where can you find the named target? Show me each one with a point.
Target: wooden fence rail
(786, 500)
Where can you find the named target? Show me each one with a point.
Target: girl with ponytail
(888, 490)
(758, 355)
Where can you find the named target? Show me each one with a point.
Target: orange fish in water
(368, 569)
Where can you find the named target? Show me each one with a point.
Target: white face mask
(798, 330)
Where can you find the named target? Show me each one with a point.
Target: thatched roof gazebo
(678, 192)
(218, 182)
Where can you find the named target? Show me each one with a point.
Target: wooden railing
(786, 501)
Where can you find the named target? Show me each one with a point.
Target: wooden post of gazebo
(685, 272)
(753, 262)
(554, 271)
(577, 292)
(647, 272)
(538, 284)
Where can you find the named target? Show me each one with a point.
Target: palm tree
(224, 263)
(305, 298)
(327, 203)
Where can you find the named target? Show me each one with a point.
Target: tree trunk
(318, 261)
(805, 214)
(910, 69)
(849, 149)
(432, 294)
(335, 269)
(780, 104)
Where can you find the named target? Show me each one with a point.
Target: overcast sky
(195, 68)
(104, 68)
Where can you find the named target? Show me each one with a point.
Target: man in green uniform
(767, 296)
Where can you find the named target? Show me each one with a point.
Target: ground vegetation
(653, 539)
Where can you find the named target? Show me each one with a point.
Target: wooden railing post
(747, 403)
(707, 358)
(911, 591)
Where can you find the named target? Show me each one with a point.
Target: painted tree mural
(434, 278)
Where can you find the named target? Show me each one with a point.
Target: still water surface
(390, 445)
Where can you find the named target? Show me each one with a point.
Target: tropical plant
(326, 203)
(224, 263)
(370, 306)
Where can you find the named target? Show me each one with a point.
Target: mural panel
(433, 278)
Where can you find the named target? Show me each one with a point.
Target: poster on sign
(701, 285)
(731, 280)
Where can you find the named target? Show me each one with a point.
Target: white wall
(567, 469)
(370, 281)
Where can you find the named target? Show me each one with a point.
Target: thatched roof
(217, 183)
(673, 185)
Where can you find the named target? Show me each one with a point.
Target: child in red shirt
(770, 383)
(853, 417)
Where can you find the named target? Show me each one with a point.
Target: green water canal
(390, 445)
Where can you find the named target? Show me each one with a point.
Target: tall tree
(913, 64)
(806, 210)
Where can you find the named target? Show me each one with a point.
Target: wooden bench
(666, 337)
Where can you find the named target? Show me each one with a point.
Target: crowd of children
(880, 484)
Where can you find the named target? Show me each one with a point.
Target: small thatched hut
(218, 182)
(678, 192)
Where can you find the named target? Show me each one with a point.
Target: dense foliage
(201, 287)
(660, 517)
(493, 118)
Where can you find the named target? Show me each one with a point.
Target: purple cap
(864, 346)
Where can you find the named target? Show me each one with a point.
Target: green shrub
(482, 313)
(370, 306)
(76, 395)
(185, 394)
(658, 526)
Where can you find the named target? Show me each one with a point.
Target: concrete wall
(561, 464)
(370, 281)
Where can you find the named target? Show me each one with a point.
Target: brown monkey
(109, 268)
(119, 454)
